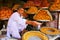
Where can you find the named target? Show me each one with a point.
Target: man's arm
(34, 23)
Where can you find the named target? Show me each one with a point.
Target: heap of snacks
(49, 30)
(55, 6)
(32, 10)
(38, 34)
(5, 13)
(43, 15)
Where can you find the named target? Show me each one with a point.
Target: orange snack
(43, 15)
(5, 13)
(29, 4)
(55, 6)
(45, 3)
(32, 10)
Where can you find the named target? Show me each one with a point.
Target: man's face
(21, 10)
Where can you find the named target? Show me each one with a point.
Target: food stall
(44, 11)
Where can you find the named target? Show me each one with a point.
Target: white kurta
(15, 24)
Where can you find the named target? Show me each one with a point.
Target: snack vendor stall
(45, 11)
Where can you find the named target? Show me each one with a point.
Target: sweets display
(32, 10)
(31, 34)
(43, 15)
(55, 6)
(28, 4)
(5, 13)
(38, 3)
(45, 3)
(49, 30)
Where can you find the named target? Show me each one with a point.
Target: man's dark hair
(19, 7)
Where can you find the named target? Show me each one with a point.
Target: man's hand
(34, 23)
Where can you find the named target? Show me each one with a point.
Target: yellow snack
(29, 34)
(49, 30)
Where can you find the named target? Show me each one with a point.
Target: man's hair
(19, 7)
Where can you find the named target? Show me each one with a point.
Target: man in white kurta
(15, 24)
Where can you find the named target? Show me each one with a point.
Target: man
(17, 24)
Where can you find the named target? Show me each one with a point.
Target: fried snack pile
(45, 3)
(32, 10)
(55, 6)
(36, 34)
(43, 15)
(28, 4)
(49, 30)
(5, 13)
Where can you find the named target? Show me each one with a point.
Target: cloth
(15, 25)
